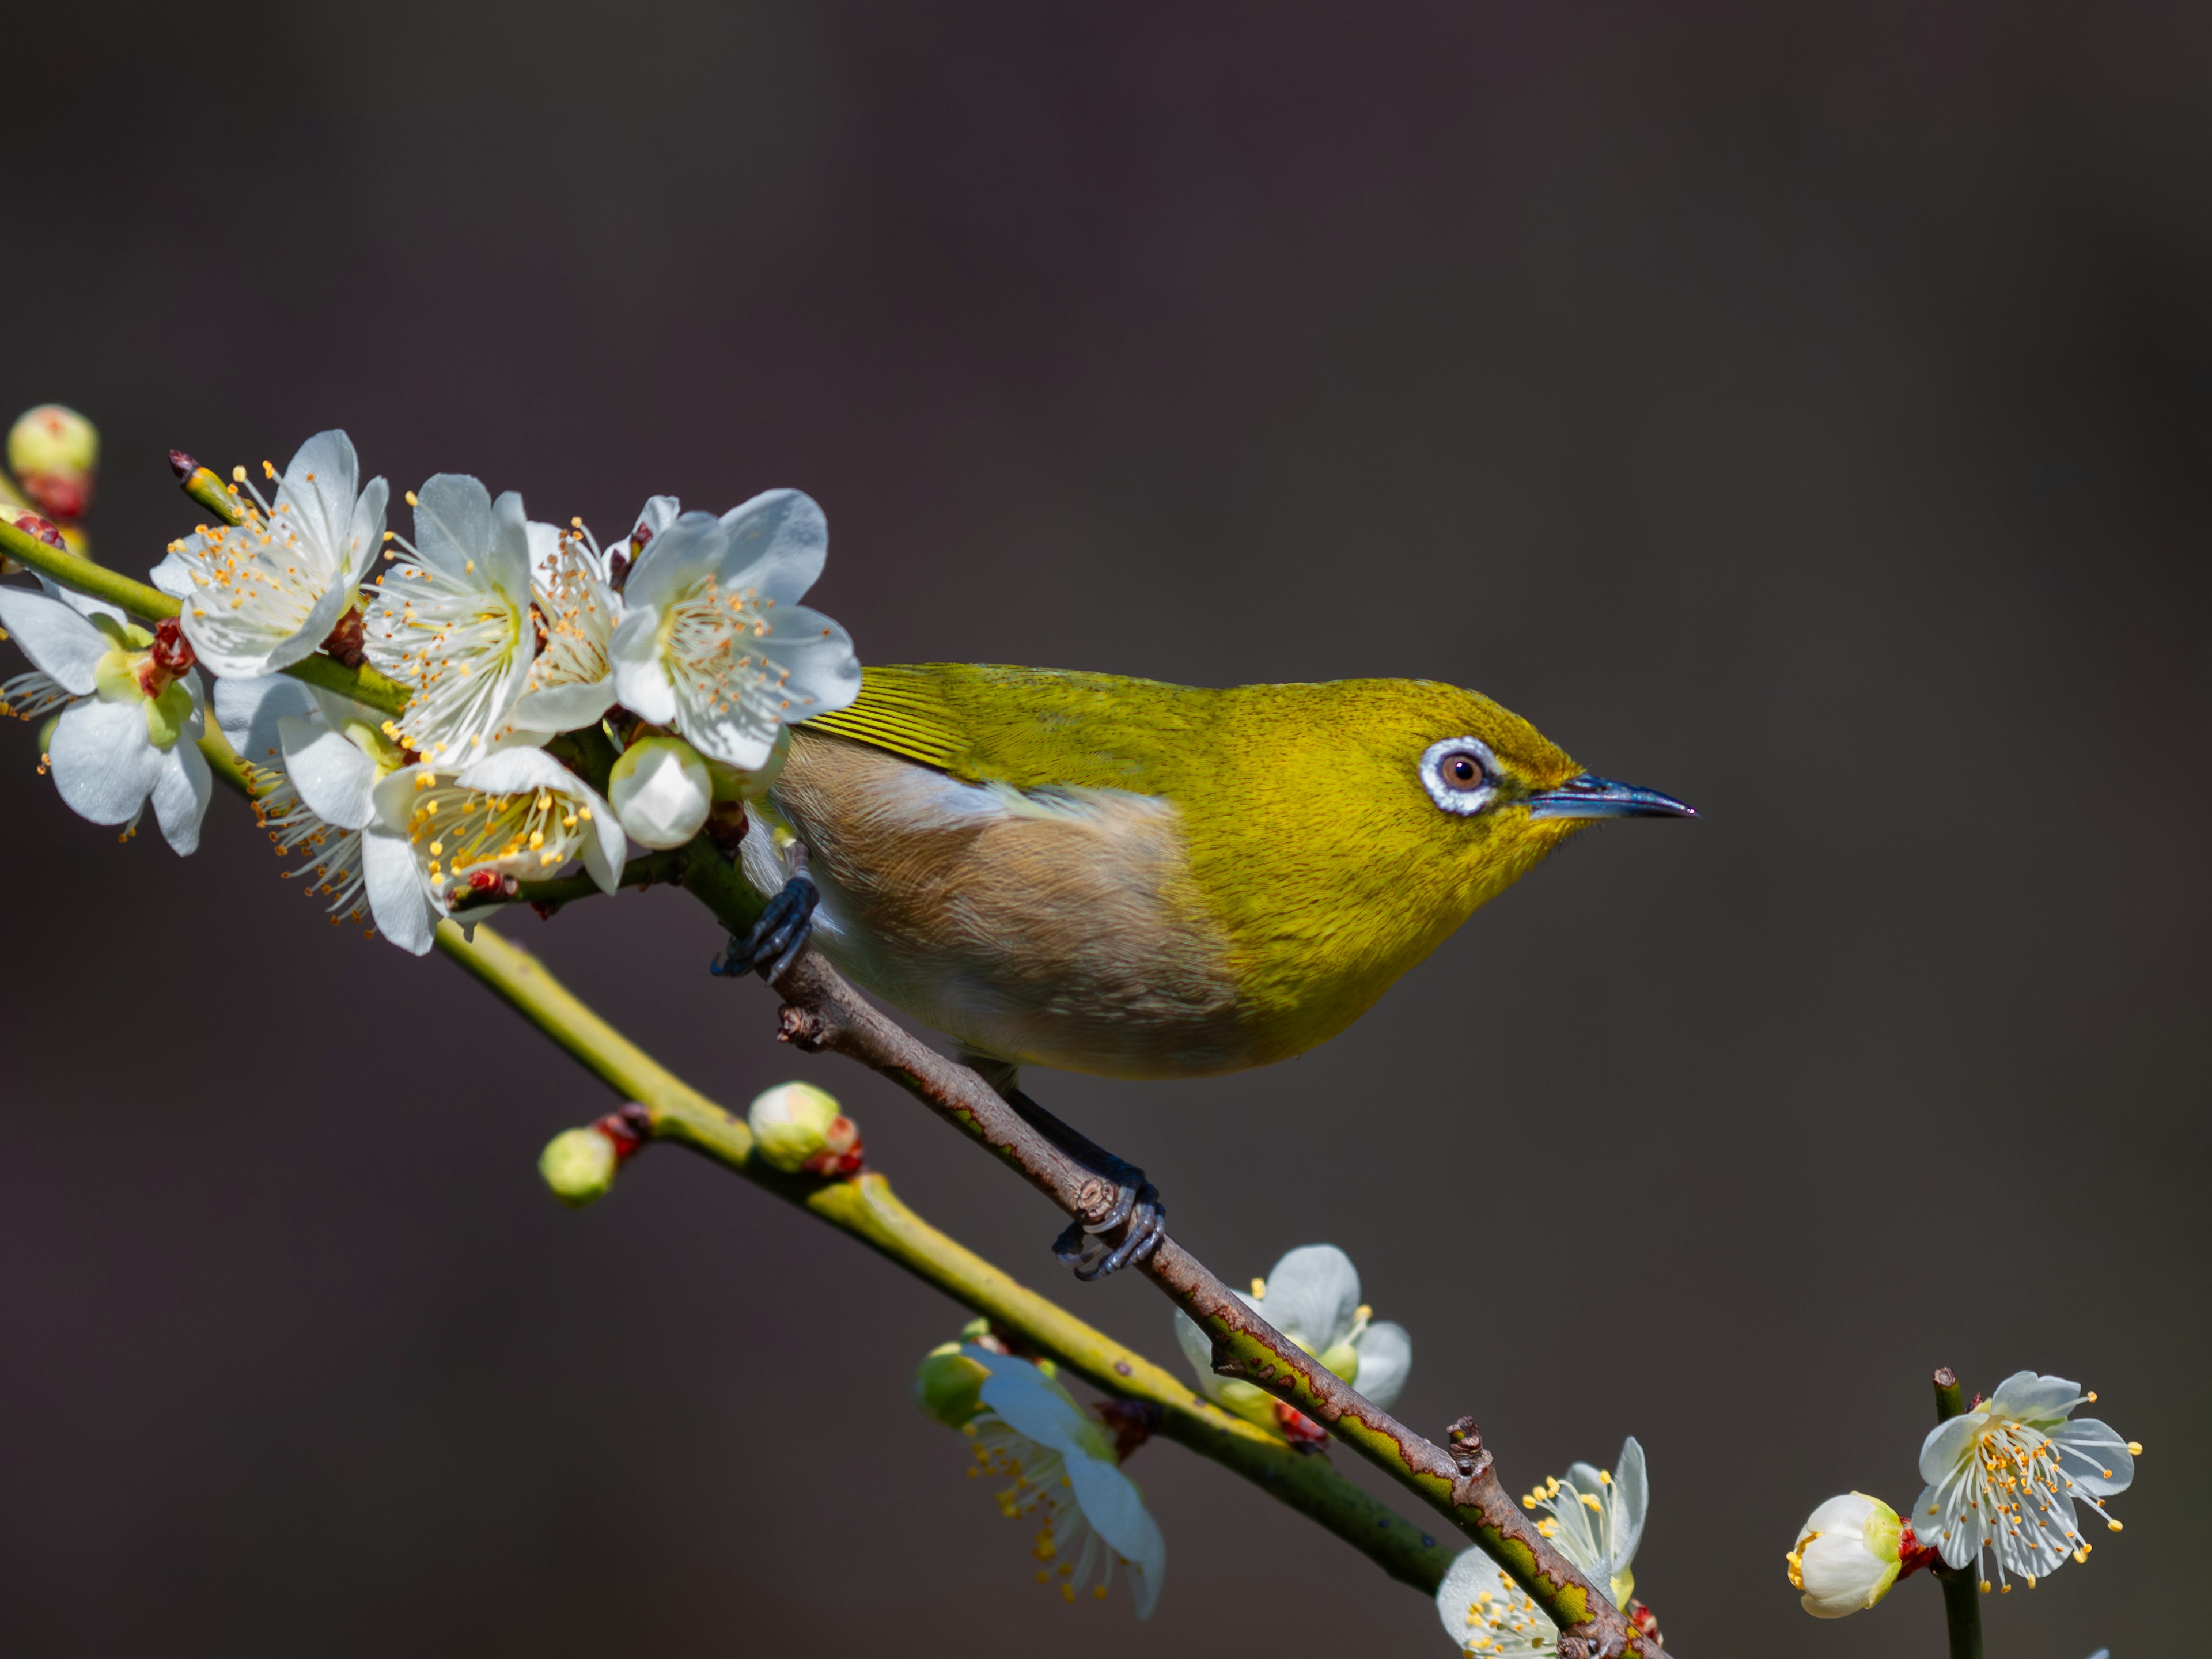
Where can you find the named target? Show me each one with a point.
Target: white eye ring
(1462, 799)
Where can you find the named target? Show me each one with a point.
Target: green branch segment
(865, 1207)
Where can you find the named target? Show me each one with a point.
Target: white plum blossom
(314, 761)
(1595, 1518)
(571, 682)
(713, 641)
(2005, 1476)
(516, 814)
(1486, 1614)
(1312, 1297)
(662, 791)
(453, 621)
(131, 712)
(261, 595)
(1063, 1474)
(1847, 1555)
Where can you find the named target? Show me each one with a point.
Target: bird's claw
(1136, 1213)
(777, 938)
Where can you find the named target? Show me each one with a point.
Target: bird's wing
(1030, 727)
(901, 711)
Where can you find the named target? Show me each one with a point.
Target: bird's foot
(1117, 1201)
(777, 938)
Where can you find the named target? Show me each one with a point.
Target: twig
(1962, 1602)
(864, 1206)
(822, 1011)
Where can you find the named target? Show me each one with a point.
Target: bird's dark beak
(1591, 796)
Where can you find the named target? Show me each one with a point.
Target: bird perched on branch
(1141, 880)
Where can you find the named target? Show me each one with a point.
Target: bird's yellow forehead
(1401, 718)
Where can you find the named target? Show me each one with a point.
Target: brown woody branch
(822, 1012)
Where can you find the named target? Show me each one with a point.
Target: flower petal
(1631, 1496)
(1032, 1402)
(334, 778)
(172, 576)
(453, 519)
(1116, 1509)
(56, 639)
(2028, 1398)
(822, 673)
(364, 534)
(104, 763)
(2095, 1457)
(778, 543)
(1948, 1444)
(509, 550)
(396, 896)
(569, 707)
(689, 549)
(1386, 1359)
(317, 492)
(1313, 1295)
(181, 791)
(641, 680)
(247, 711)
(1521, 1629)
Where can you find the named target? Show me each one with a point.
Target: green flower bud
(949, 1386)
(578, 1165)
(53, 451)
(661, 792)
(799, 1126)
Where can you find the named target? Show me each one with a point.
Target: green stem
(1962, 1600)
(364, 685)
(865, 1207)
(1962, 1612)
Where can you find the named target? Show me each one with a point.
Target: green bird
(1140, 880)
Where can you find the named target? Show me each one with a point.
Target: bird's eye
(1461, 774)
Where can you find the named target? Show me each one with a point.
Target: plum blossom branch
(863, 1206)
(822, 1011)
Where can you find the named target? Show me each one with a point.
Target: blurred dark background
(1802, 409)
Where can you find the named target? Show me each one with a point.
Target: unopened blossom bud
(661, 791)
(949, 1386)
(52, 451)
(1847, 1555)
(734, 783)
(800, 1127)
(578, 1165)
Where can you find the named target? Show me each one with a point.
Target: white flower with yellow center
(313, 761)
(1595, 1517)
(1061, 1472)
(713, 641)
(1312, 1298)
(130, 711)
(515, 815)
(452, 621)
(2005, 1476)
(263, 594)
